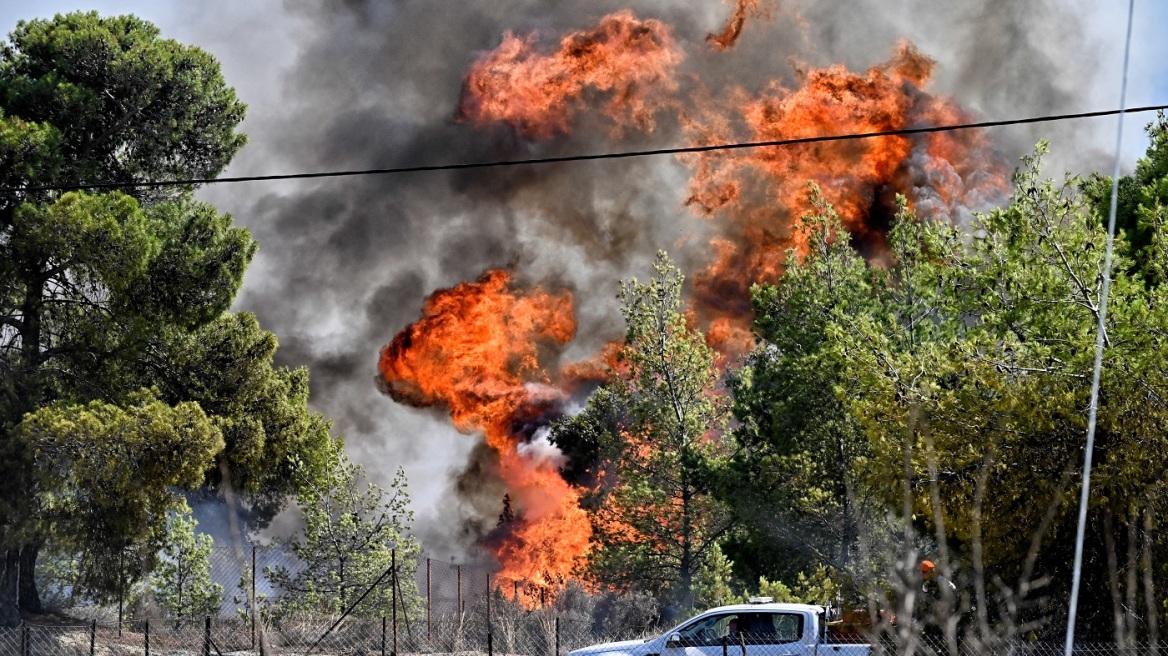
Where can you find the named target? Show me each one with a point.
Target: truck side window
(789, 626)
(773, 628)
(709, 631)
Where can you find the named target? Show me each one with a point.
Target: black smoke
(345, 263)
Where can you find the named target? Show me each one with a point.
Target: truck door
(772, 633)
(704, 636)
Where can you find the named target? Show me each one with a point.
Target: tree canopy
(113, 101)
(952, 389)
(659, 425)
(355, 534)
(115, 334)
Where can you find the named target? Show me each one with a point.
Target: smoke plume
(347, 264)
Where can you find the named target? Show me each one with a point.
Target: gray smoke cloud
(346, 263)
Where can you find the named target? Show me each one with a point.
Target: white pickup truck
(754, 629)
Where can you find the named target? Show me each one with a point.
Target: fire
(629, 61)
(728, 36)
(757, 195)
(481, 350)
(478, 352)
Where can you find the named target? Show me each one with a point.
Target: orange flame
(476, 351)
(758, 194)
(728, 36)
(480, 349)
(628, 60)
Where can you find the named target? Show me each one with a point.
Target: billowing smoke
(345, 264)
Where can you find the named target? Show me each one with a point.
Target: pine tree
(182, 583)
(353, 532)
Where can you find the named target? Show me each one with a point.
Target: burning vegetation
(480, 352)
(629, 62)
(488, 351)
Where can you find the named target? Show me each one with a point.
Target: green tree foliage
(353, 533)
(181, 584)
(792, 480)
(107, 470)
(660, 423)
(103, 295)
(1140, 209)
(966, 369)
(712, 584)
(121, 102)
(816, 587)
(261, 410)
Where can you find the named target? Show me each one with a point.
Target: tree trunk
(9, 588)
(30, 599)
(687, 560)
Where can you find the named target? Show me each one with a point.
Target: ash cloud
(345, 263)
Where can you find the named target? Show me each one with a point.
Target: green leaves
(671, 369)
(97, 457)
(107, 470)
(953, 386)
(102, 295)
(658, 426)
(199, 267)
(182, 583)
(127, 104)
(28, 151)
(102, 240)
(262, 411)
(353, 534)
(791, 480)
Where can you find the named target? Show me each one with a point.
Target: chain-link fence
(263, 602)
(542, 634)
(538, 633)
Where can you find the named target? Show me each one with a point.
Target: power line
(584, 157)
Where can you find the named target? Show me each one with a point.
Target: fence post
(25, 639)
(147, 636)
(207, 636)
(121, 588)
(488, 614)
(92, 636)
(490, 644)
(383, 634)
(429, 606)
(393, 596)
(251, 601)
(459, 602)
(725, 645)
(557, 635)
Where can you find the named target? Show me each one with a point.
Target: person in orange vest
(938, 599)
(932, 582)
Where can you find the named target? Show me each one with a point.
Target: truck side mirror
(674, 640)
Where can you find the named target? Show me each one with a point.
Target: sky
(345, 264)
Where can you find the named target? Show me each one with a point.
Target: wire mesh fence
(260, 603)
(539, 633)
(265, 602)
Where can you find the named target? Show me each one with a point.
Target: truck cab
(760, 628)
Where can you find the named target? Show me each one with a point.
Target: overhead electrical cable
(1100, 338)
(578, 158)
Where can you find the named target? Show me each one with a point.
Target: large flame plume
(478, 352)
(487, 351)
(757, 195)
(627, 61)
